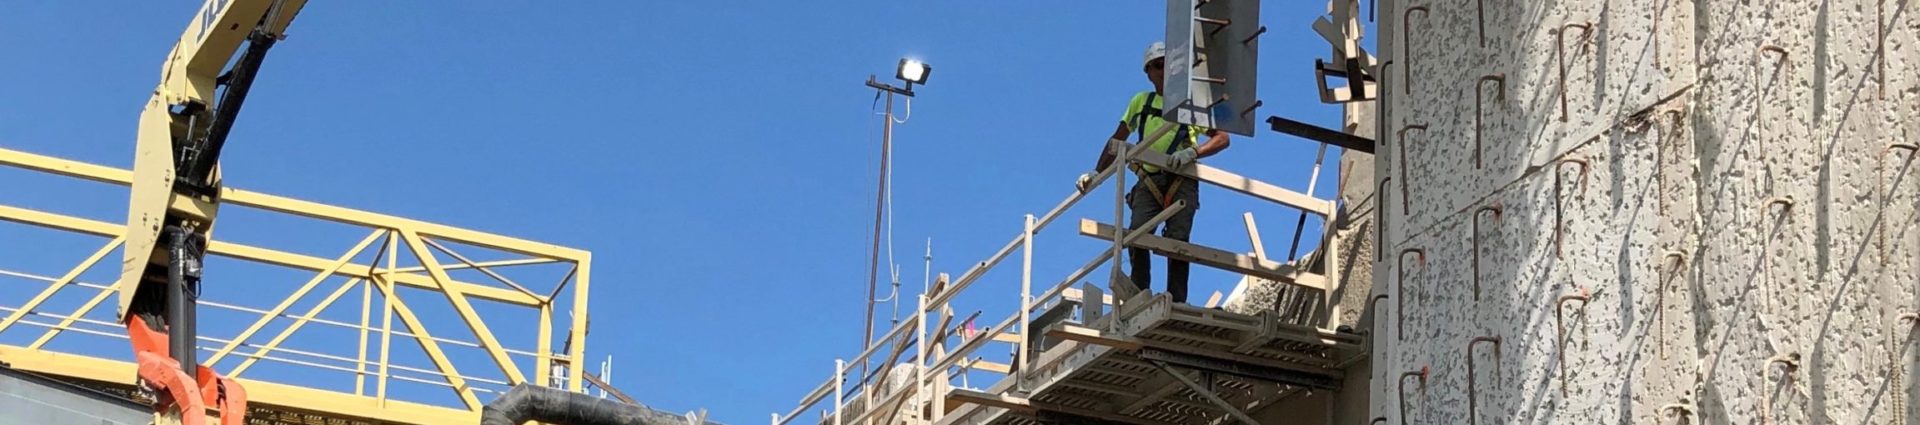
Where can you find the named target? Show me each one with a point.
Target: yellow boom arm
(202, 86)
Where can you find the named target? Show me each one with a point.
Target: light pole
(909, 72)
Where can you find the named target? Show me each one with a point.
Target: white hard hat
(1157, 50)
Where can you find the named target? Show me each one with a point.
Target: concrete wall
(1687, 131)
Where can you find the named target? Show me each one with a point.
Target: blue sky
(718, 158)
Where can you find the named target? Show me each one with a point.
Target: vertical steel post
(879, 210)
(920, 363)
(1026, 302)
(1119, 218)
(839, 388)
(386, 317)
(360, 363)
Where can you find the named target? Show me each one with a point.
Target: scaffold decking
(1151, 370)
(1080, 357)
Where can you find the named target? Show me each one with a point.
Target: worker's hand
(1183, 158)
(1085, 181)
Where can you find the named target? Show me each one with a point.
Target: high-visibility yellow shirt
(1152, 123)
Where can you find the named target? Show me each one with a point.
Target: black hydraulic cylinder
(238, 81)
(183, 272)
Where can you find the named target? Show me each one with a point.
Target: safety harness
(1182, 139)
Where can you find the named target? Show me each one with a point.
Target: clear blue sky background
(718, 158)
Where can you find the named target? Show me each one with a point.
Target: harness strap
(1181, 137)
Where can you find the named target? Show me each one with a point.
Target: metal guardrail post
(920, 385)
(839, 388)
(1119, 219)
(1026, 303)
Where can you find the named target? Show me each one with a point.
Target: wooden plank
(961, 396)
(1076, 294)
(1093, 336)
(988, 366)
(1212, 257)
(1237, 183)
(1007, 337)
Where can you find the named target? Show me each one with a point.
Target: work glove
(1085, 181)
(1183, 158)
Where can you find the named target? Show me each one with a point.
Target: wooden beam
(1237, 183)
(988, 366)
(1093, 336)
(959, 396)
(1253, 236)
(1007, 337)
(1213, 257)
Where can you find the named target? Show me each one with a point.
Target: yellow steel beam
(77, 313)
(427, 344)
(259, 393)
(480, 265)
(577, 334)
(56, 285)
(476, 266)
(360, 363)
(465, 308)
(386, 319)
(297, 294)
(543, 355)
(230, 196)
(263, 255)
(369, 219)
(298, 322)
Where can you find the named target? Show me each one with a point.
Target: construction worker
(1156, 188)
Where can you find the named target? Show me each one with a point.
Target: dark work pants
(1179, 227)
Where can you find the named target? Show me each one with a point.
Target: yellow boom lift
(176, 195)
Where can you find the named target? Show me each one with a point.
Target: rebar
(1497, 211)
(1473, 402)
(1913, 151)
(1422, 374)
(1560, 331)
(1480, 11)
(1406, 207)
(1500, 95)
(1779, 64)
(1406, 40)
(1375, 303)
(1678, 259)
(1559, 224)
(1560, 41)
(1792, 363)
(1400, 289)
(1380, 237)
(1660, 416)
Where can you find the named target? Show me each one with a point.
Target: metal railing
(366, 360)
(932, 362)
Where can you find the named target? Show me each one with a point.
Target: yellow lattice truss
(388, 237)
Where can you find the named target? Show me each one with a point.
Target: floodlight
(913, 71)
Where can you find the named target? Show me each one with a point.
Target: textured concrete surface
(1690, 127)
